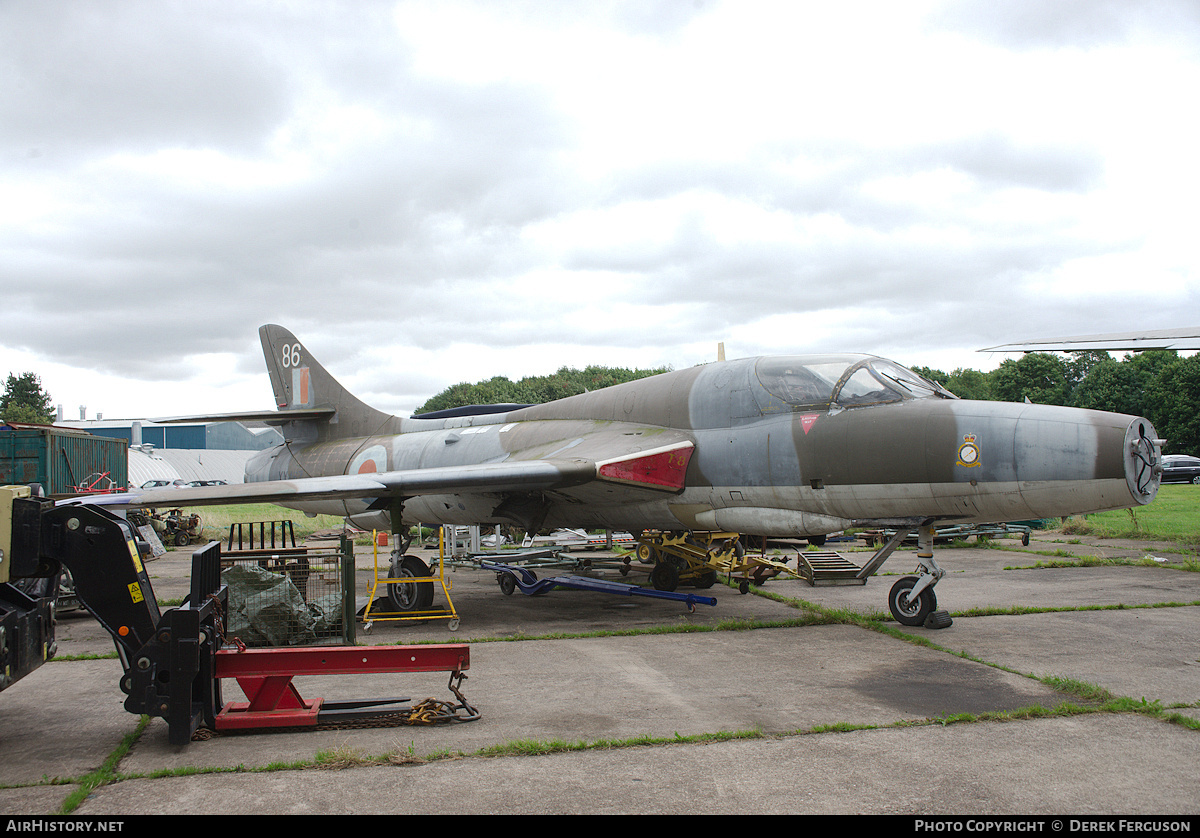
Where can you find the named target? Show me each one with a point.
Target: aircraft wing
(267, 417)
(1135, 341)
(661, 468)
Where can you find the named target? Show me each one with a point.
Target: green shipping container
(59, 459)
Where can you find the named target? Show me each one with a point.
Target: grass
(1174, 515)
(1095, 700)
(216, 519)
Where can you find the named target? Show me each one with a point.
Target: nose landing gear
(912, 600)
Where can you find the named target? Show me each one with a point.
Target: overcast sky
(434, 192)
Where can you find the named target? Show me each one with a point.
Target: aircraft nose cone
(1143, 460)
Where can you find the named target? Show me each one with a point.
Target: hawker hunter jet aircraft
(772, 446)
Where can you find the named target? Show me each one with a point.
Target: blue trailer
(513, 577)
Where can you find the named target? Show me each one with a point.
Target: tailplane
(302, 385)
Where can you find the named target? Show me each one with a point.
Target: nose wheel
(911, 609)
(912, 600)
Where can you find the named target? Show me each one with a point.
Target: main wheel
(410, 596)
(910, 612)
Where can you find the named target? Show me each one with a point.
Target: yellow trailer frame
(696, 558)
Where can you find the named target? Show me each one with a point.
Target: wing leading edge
(267, 417)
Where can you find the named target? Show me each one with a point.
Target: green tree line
(534, 389)
(1159, 385)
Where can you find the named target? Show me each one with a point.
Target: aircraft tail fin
(301, 384)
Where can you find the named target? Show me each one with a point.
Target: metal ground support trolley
(697, 558)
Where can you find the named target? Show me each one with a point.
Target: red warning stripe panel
(663, 468)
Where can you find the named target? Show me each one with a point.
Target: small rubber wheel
(508, 584)
(910, 612)
(665, 576)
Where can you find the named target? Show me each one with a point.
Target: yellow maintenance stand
(409, 598)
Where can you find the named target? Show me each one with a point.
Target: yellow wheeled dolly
(696, 558)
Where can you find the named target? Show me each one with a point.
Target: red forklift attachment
(265, 676)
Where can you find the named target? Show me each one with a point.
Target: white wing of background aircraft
(1187, 338)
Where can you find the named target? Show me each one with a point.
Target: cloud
(1022, 24)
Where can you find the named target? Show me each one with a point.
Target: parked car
(1178, 468)
(208, 483)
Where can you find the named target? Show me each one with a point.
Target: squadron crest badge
(968, 452)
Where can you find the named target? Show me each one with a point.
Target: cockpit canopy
(821, 381)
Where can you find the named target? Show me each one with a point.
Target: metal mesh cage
(295, 597)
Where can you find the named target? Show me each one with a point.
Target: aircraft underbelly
(776, 511)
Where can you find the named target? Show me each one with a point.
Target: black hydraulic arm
(100, 550)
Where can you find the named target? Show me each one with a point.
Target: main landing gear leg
(911, 600)
(407, 597)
